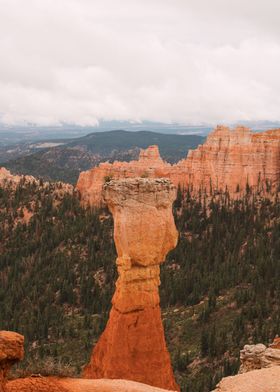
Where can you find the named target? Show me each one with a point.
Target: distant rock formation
(11, 351)
(259, 370)
(133, 345)
(234, 158)
(8, 179)
(228, 160)
(150, 164)
(258, 356)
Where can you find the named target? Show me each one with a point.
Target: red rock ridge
(229, 159)
(133, 347)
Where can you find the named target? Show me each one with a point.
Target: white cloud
(189, 61)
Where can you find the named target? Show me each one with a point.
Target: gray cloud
(189, 61)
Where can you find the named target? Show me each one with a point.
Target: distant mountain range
(33, 133)
(64, 159)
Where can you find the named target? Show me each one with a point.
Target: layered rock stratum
(133, 347)
(229, 160)
(258, 356)
(12, 351)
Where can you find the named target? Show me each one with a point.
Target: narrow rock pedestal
(133, 347)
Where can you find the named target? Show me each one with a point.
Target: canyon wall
(133, 347)
(229, 159)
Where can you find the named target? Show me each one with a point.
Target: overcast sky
(187, 61)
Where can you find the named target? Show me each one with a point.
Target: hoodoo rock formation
(133, 346)
(229, 159)
(150, 164)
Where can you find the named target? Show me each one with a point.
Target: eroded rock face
(11, 351)
(90, 183)
(132, 346)
(258, 356)
(259, 370)
(229, 159)
(232, 158)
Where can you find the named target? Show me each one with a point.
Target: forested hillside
(220, 286)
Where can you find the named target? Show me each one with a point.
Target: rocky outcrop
(275, 343)
(150, 164)
(8, 179)
(54, 384)
(259, 370)
(263, 380)
(11, 351)
(258, 356)
(133, 346)
(228, 160)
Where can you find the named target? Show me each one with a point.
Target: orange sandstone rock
(132, 346)
(232, 158)
(229, 159)
(90, 183)
(54, 384)
(276, 343)
(11, 351)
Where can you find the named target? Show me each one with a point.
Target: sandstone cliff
(232, 158)
(133, 344)
(229, 159)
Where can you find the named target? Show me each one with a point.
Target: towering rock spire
(133, 346)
